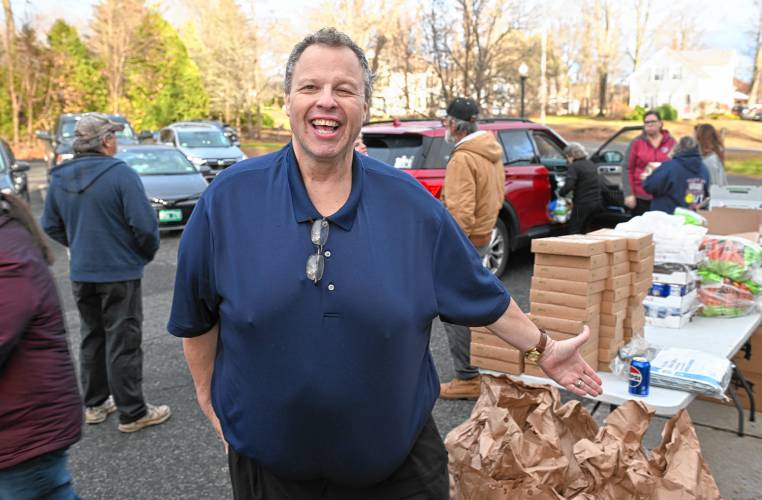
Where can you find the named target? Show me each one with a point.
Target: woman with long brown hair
(40, 406)
(712, 152)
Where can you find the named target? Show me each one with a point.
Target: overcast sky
(726, 24)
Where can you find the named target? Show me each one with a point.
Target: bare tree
(113, 26)
(755, 93)
(10, 62)
(606, 47)
(642, 18)
(33, 66)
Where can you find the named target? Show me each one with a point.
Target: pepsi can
(640, 376)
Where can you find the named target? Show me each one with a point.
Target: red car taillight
(435, 188)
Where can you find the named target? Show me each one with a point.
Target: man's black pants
(111, 358)
(423, 476)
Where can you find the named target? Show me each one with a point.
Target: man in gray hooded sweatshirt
(97, 206)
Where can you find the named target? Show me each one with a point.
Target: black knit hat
(463, 109)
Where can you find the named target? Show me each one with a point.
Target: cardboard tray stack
(567, 286)
(490, 352)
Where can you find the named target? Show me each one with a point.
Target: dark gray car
(172, 183)
(13, 179)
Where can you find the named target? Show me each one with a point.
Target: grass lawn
(744, 164)
(738, 133)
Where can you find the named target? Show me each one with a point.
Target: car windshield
(166, 162)
(203, 139)
(68, 126)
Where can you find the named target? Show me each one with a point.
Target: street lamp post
(523, 71)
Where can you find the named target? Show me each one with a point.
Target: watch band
(540, 347)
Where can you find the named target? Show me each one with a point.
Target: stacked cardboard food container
(598, 280)
(567, 287)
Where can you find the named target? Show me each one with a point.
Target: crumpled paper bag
(521, 442)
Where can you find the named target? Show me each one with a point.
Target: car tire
(499, 250)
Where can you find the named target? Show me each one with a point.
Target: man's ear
(287, 105)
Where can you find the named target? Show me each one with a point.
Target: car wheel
(496, 259)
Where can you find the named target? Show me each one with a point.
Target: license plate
(175, 215)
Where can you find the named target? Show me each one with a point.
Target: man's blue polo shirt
(332, 380)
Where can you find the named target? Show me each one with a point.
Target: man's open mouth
(325, 127)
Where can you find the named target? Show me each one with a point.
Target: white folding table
(720, 336)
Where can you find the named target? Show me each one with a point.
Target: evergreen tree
(163, 84)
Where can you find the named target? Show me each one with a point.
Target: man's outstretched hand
(563, 363)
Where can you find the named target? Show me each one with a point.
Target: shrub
(636, 114)
(267, 121)
(667, 112)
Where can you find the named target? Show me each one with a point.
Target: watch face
(532, 355)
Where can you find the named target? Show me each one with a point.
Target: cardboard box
(610, 343)
(566, 286)
(556, 311)
(614, 282)
(677, 274)
(570, 326)
(724, 221)
(646, 275)
(610, 332)
(670, 321)
(634, 322)
(684, 302)
(636, 300)
(613, 243)
(555, 272)
(635, 241)
(564, 299)
(640, 287)
(498, 366)
(643, 266)
(613, 307)
(593, 262)
(583, 247)
(616, 295)
(618, 257)
(507, 354)
(489, 338)
(643, 253)
(608, 354)
(533, 370)
(669, 290)
(620, 269)
(612, 319)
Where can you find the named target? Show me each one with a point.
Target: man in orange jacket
(474, 188)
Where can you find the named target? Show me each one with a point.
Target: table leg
(732, 393)
(738, 374)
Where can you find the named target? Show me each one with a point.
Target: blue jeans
(45, 477)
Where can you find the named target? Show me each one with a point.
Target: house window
(677, 74)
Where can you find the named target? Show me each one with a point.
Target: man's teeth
(325, 123)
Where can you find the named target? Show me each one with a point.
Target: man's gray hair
(332, 38)
(463, 126)
(686, 143)
(576, 151)
(92, 144)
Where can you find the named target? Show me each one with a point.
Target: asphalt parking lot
(182, 459)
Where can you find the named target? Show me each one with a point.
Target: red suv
(534, 164)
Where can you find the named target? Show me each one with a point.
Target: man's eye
(309, 87)
(345, 92)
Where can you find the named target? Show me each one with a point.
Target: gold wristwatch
(533, 355)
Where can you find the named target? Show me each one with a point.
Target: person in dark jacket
(582, 179)
(97, 206)
(682, 181)
(40, 406)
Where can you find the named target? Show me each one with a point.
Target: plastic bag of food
(726, 298)
(690, 217)
(730, 257)
(559, 210)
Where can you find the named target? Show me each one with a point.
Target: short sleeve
(467, 293)
(195, 305)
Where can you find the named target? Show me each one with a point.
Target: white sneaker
(155, 415)
(98, 414)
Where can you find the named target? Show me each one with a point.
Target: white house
(694, 82)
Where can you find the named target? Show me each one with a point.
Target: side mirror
(612, 157)
(20, 166)
(44, 136)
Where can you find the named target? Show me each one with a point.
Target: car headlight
(243, 157)
(196, 160)
(6, 190)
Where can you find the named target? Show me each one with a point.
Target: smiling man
(307, 283)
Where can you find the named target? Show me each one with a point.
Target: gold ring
(579, 382)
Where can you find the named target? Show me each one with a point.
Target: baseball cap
(92, 125)
(463, 109)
